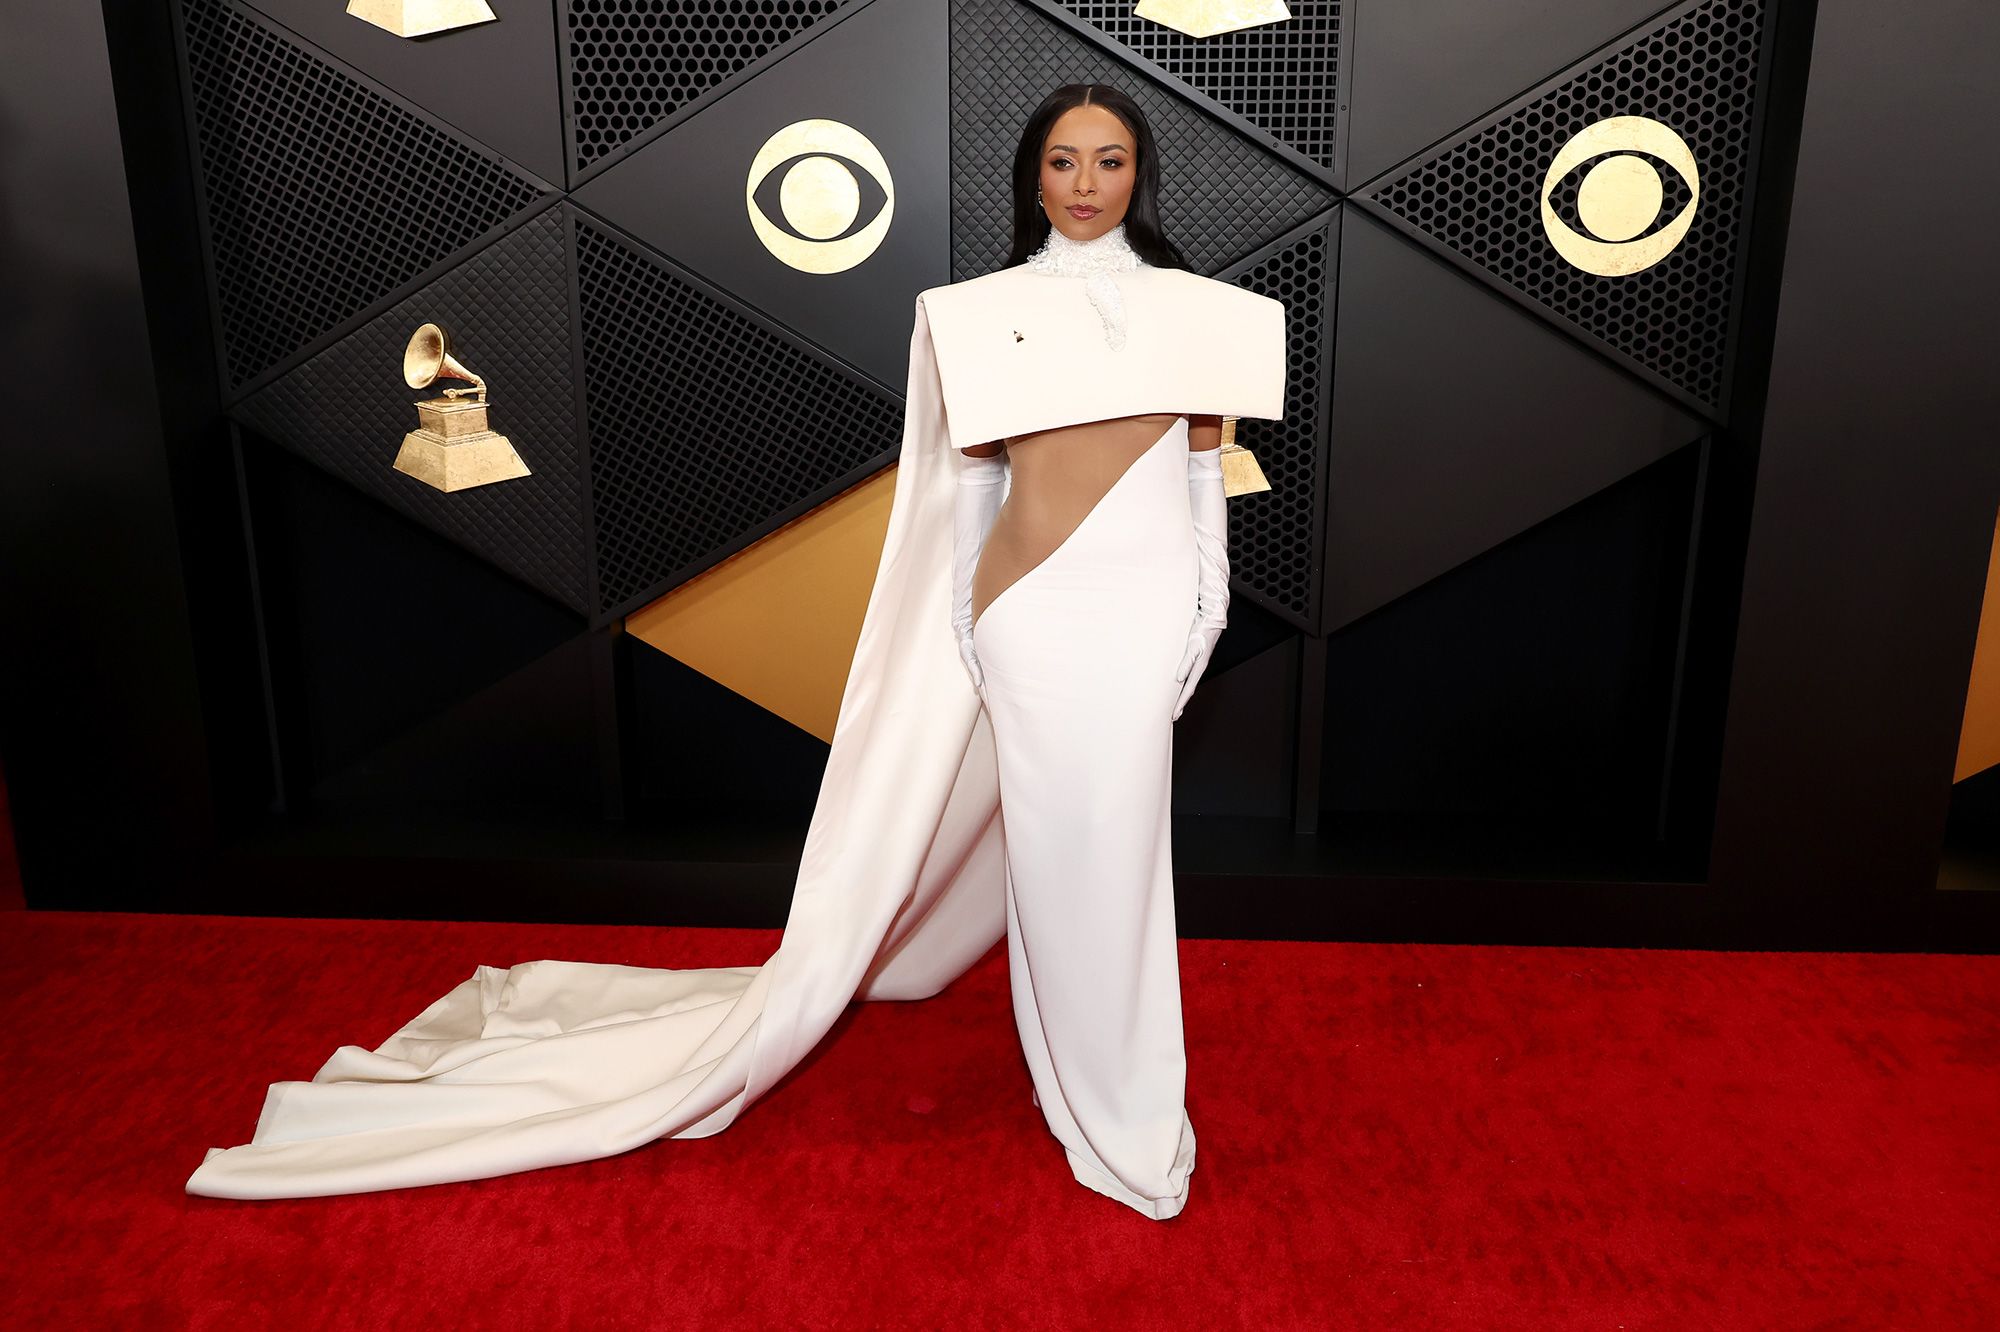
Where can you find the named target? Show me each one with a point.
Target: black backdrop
(1583, 608)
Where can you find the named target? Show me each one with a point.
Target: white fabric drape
(902, 884)
(901, 888)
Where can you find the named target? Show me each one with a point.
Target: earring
(1038, 197)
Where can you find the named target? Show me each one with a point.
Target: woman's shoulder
(1217, 290)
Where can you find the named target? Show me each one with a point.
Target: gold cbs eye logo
(1620, 196)
(819, 178)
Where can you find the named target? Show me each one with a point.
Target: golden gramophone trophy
(451, 448)
(1240, 473)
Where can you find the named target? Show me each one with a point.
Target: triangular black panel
(1274, 534)
(707, 430)
(631, 66)
(880, 73)
(1234, 746)
(1221, 195)
(507, 311)
(1513, 715)
(1428, 69)
(374, 624)
(698, 744)
(1695, 70)
(1285, 78)
(322, 196)
(494, 81)
(523, 746)
(1461, 421)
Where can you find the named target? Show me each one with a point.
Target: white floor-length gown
(904, 881)
(1079, 658)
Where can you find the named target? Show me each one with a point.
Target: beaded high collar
(1063, 257)
(1095, 261)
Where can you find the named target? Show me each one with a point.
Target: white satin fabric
(901, 888)
(1020, 351)
(904, 880)
(1079, 656)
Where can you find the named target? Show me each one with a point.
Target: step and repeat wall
(679, 241)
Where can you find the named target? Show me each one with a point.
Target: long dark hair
(1142, 217)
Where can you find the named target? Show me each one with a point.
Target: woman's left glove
(1209, 505)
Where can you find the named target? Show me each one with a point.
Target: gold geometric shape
(1208, 18)
(778, 622)
(1979, 730)
(415, 18)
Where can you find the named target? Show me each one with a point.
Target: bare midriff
(1058, 476)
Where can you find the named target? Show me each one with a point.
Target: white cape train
(902, 883)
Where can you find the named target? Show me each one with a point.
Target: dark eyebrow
(1070, 147)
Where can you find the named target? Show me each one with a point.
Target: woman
(1086, 607)
(1098, 593)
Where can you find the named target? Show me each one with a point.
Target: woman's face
(1087, 165)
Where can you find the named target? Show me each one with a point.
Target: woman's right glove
(1209, 504)
(979, 497)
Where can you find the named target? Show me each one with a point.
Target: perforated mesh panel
(704, 426)
(1273, 535)
(322, 195)
(1698, 76)
(1282, 77)
(1220, 194)
(635, 62)
(507, 310)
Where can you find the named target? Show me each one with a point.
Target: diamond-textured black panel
(635, 62)
(507, 311)
(1697, 74)
(1281, 77)
(323, 196)
(1220, 194)
(1274, 534)
(704, 426)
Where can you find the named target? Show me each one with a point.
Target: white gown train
(901, 887)
(903, 884)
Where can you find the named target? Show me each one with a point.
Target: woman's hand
(971, 660)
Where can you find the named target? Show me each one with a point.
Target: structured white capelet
(1019, 350)
(902, 883)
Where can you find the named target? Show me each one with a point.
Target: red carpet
(1391, 1136)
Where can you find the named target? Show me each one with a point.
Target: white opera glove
(979, 497)
(1209, 505)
